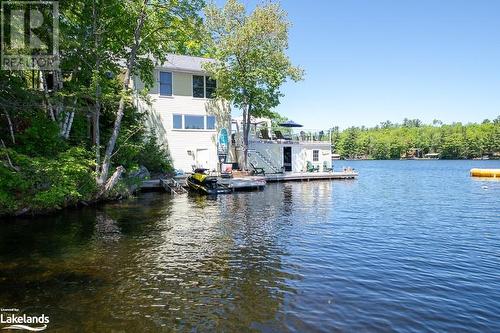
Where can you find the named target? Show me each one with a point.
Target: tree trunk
(245, 140)
(50, 109)
(246, 133)
(112, 181)
(97, 105)
(8, 158)
(97, 133)
(68, 121)
(11, 128)
(111, 143)
(69, 124)
(119, 114)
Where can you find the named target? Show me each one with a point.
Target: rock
(142, 173)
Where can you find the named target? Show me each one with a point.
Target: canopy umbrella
(290, 123)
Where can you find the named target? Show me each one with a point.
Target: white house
(178, 111)
(283, 149)
(182, 113)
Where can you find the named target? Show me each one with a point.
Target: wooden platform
(244, 183)
(151, 184)
(254, 182)
(236, 184)
(307, 176)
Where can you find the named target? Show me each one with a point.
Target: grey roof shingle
(185, 63)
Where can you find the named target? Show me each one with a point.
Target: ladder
(173, 186)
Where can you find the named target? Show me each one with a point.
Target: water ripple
(409, 247)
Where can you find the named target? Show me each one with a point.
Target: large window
(204, 86)
(165, 84)
(198, 86)
(210, 122)
(194, 122)
(211, 85)
(315, 155)
(177, 121)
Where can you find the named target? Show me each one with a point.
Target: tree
(250, 61)
(46, 134)
(113, 42)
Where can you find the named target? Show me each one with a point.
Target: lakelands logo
(29, 35)
(14, 321)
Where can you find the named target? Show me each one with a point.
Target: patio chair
(302, 136)
(326, 168)
(257, 170)
(279, 135)
(264, 134)
(311, 167)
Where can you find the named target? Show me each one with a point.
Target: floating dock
(308, 176)
(248, 182)
(485, 173)
(244, 183)
(235, 184)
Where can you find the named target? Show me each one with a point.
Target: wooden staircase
(270, 165)
(173, 186)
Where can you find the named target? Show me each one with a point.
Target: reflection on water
(410, 246)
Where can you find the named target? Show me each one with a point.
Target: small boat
(200, 182)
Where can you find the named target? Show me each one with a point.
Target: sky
(367, 61)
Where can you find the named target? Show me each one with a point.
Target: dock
(244, 183)
(235, 184)
(247, 183)
(308, 176)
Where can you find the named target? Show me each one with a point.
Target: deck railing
(291, 135)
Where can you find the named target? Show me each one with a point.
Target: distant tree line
(392, 141)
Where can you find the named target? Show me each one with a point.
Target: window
(177, 121)
(210, 122)
(165, 84)
(204, 86)
(315, 155)
(211, 85)
(198, 86)
(194, 122)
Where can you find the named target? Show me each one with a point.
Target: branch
(11, 128)
(8, 158)
(125, 141)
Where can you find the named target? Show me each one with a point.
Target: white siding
(182, 144)
(301, 153)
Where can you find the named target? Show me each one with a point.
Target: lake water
(411, 246)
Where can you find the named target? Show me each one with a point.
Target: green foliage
(154, 156)
(42, 138)
(51, 166)
(391, 141)
(145, 151)
(42, 184)
(250, 52)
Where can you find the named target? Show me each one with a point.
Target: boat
(201, 182)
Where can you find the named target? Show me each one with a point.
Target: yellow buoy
(492, 173)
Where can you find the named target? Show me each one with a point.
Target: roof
(185, 63)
